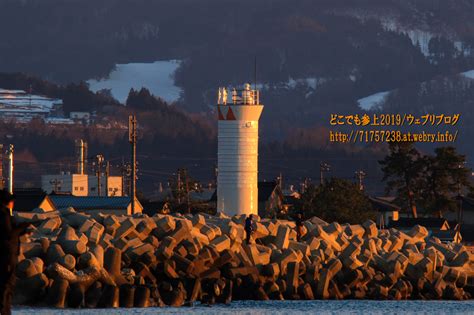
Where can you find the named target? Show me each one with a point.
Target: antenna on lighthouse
(255, 73)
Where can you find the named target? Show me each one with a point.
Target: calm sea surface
(284, 307)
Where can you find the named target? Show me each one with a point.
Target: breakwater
(77, 260)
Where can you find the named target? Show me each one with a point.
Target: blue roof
(90, 203)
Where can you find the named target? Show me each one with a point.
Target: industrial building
(80, 183)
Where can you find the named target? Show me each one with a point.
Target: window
(76, 188)
(82, 188)
(92, 188)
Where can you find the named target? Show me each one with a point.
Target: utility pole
(107, 174)
(10, 168)
(179, 186)
(360, 176)
(323, 167)
(100, 160)
(1, 167)
(186, 182)
(280, 180)
(126, 170)
(132, 138)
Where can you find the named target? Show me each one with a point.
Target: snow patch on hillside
(373, 101)
(156, 77)
(468, 74)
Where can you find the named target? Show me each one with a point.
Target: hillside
(314, 58)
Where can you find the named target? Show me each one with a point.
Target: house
(106, 205)
(151, 208)
(201, 195)
(429, 223)
(270, 199)
(437, 227)
(467, 232)
(26, 200)
(386, 211)
(465, 213)
(291, 199)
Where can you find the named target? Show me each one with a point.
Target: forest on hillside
(314, 58)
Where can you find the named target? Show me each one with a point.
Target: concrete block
(166, 224)
(111, 224)
(169, 269)
(33, 249)
(167, 247)
(183, 264)
(50, 225)
(94, 233)
(418, 232)
(282, 237)
(271, 270)
(144, 228)
(355, 230)
(57, 293)
(89, 223)
(67, 261)
(462, 259)
(75, 219)
(292, 277)
(303, 247)
(26, 269)
(329, 240)
(126, 227)
(243, 271)
(182, 231)
(67, 234)
(370, 229)
(73, 247)
(260, 231)
(333, 229)
(140, 250)
(326, 276)
(198, 221)
(286, 257)
(87, 260)
(98, 252)
(221, 243)
(443, 248)
(306, 292)
(397, 243)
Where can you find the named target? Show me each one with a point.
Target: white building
(237, 179)
(82, 185)
(112, 185)
(21, 106)
(76, 184)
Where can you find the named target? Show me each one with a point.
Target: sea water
(282, 307)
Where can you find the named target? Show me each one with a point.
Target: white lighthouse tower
(237, 154)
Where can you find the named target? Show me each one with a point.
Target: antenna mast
(255, 73)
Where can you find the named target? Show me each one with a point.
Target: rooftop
(90, 202)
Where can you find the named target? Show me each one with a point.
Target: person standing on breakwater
(249, 227)
(10, 233)
(299, 226)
